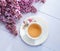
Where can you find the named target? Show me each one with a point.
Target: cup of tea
(34, 30)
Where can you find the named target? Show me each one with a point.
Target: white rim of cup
(28, 33)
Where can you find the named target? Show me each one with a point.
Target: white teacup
(34, 30)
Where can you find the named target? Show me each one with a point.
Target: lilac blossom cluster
(12, 10)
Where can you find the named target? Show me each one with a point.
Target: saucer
(24, 26)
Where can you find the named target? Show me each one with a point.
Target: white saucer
(43, 36)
